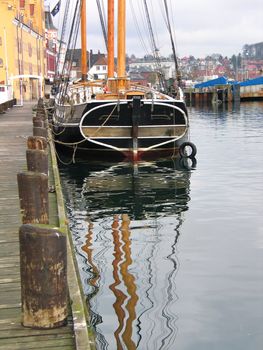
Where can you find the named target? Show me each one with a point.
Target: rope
(56, 133)
(138, 29)
(105, 121)
(75, 144)
(178, 75)
(81, 141)
(72, 161)
(69, 143)
(70, 52)
(102, 23)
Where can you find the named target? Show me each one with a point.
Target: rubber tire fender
(182, 149)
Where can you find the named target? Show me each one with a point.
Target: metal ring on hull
(90, 139)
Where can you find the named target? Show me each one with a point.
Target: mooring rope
(105, 121)
(76, 143)
(72, 160)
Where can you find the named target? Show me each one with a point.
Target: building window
(0, 41)
(32, 9)
(104, 68)
(29, 50)
(97, 67)
(1, 63)
(22, 4)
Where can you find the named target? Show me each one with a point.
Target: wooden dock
(15, 127)
(213, 95)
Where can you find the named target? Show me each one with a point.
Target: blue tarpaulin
(224, 81)
(256, 81)
(213, 82)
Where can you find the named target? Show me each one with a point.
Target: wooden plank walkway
(15, 127)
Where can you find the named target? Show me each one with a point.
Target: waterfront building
(52, 46)
(98, 59)
(141, 65)
(100, 69)
(22, 48)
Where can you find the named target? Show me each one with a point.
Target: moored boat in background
(117, 117)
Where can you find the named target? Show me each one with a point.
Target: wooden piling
(36, 142)
(33, 196)
(40, 118)
(37, 160)
(39, 131)
(40, 102)
(43, 267)
(41, 113)
(198, 98)
(38, 123)
(13, 335)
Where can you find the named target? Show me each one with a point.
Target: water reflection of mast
(129, 282)
(121, 264)
(171, 295)
(87, 248)
(156, 192)
(120, 296)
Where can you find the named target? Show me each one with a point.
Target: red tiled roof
(102, 61)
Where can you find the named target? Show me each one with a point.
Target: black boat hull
(134, 129)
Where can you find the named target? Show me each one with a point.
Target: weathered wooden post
(39, 131)
(37, 154)
(38, 122)
(41, 113)
(43, 268)
(40, 102)
(37, 160)
(36, 142)
(205, 97)
(190, 96)
(197, 97)
(33, 196)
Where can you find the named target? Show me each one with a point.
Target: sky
(201, 27)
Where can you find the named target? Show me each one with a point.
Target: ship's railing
(79, 93)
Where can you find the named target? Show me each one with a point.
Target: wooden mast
(121, 43)
(83, 41)
(110, 38)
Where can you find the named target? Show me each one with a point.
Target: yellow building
(22, 48)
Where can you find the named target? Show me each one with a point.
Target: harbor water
(171, 252)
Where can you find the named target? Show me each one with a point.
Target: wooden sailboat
(117, 117)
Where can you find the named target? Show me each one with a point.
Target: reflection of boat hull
(128, 128)
(150, 188)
